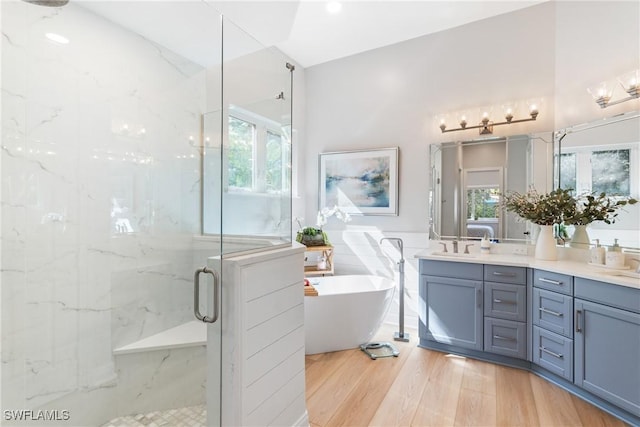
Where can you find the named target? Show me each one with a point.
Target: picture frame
(360, 182)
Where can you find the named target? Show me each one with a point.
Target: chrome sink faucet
(455, 246)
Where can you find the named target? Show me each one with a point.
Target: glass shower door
(256, 145)
(101, 198)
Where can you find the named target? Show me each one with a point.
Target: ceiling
(303, 29)
(310, 35)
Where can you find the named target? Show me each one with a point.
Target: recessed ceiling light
(334, 7)
(57, 38)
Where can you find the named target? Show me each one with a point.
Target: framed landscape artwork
(362, 182)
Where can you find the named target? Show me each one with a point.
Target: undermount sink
(631, 274)
(454, 255)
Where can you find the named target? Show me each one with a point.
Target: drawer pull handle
(559, 356)
(499, 337)
(578, 313)
(499, 273)
(499, 301)
(553, 282)
(554, 313)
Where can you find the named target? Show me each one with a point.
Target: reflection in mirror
(468, 177)
(603, 156)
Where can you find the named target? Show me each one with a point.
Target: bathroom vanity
(575, 325)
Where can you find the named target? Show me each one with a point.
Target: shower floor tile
(193, 416)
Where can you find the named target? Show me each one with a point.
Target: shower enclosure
(139, 140)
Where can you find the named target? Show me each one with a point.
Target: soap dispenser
(597, 253)
(485, 245)
(615, 256)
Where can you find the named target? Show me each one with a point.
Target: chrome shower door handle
(196, 295)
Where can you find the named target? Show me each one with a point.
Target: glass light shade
(601, 91)
(462, 119)
(630, 82)
(442, 121)
(508, 111)
(485, 113)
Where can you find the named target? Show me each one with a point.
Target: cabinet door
(453, 311)
(607, 353)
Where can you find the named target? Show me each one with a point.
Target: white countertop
(570, 267)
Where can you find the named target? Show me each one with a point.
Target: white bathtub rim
(331, 287)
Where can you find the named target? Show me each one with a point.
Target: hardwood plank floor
(429, 388)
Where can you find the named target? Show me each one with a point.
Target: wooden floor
(429, 388)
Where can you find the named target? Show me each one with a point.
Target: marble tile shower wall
(99, 197)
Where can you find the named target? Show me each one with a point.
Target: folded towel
(309, 290)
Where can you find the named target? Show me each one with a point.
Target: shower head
(48, 3)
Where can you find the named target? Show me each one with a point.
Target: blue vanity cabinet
(505, 310)
(552, 314)
(607, 342)
(451, 303)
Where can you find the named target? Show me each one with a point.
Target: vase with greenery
(315, 236)
(540, 208)
(543, 209)
(593, 207)
(589, 208)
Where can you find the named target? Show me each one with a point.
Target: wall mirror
(603, 156)
(468, 176)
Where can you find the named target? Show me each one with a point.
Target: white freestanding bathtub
(347, 312)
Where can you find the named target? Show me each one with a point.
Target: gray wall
(391, 96)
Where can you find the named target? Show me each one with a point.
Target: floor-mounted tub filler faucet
(376, 350)
(400, 335)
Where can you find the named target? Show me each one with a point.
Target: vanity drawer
(555, 282)
(504, 301)
(505, 274)
(553, 311)
(505, 337)
(622, 297)
(457, 270)
(553, 352)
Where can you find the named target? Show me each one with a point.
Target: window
(611, 172)
(568, 170)
(240, 153)
(258, 154)
(278, 163)
(482, 203)
(589, 170)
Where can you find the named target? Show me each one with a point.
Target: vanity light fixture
(486, 125)
(603, 92)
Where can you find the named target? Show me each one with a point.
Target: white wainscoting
(360, 252)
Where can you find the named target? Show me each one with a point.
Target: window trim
(262, 127)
